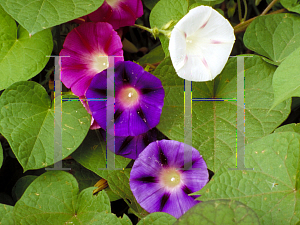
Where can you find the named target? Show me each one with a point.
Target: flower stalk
(154, 31)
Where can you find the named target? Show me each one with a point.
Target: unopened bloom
(86, 50)
(119, 13)
(158, 183)
(139, 98)
(200, 44)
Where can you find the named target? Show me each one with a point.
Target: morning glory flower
(157, 183)
(131, 146)
(200, 44)
(88, 47)
(139, 98)
(119, 13)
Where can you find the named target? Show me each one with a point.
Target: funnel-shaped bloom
(200, 44)
(131, 146)
(87, 48)
(159, 186)
(139, 98)
(119, 13)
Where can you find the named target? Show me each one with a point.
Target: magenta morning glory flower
(159, 186)
(139, 98)
(119, 13)
(88, 47)
(131, 146)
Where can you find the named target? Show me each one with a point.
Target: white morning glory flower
(200, 44)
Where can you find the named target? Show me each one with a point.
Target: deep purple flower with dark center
(159, 185)
(131, 146)
(139, 98)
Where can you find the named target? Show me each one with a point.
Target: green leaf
(35, 16)
(1, 155)
(105, 218)
(286, 81)
(272, 188)
(214, 122)
(6, 214)
(218, 212)
(292, 127)
(155, 56)
(158, 218)
(21, 56)
(92, 155)
(53, 198)
(21, 185)
(84, 177)
(27, 122)
(291, 5)
(205, 2)
(118, 182)
(274, 36)
(165, 11)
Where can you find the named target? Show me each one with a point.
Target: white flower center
(128, 96)
(100, 63)
(170, 177)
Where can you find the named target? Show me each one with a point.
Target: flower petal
(119, 13)
(178, 203)
(177, 48)
(196, 18)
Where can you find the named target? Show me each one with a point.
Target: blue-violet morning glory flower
(131, 146)
(159, 185)
(139, 98)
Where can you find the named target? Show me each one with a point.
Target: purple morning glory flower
(131, 146)
(139, 98)
(159, 186)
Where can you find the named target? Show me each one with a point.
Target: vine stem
(241, 27)
(268, 7)
(154, 31)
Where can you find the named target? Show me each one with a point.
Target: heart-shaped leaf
(274, 36)
(54, 198)
(27, 122)
(214, 122)
(6, 214)
(272, 189)
(218, 212)
(158, 218)
(286, 81)
(35, 16)
(21, 56)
